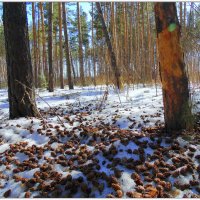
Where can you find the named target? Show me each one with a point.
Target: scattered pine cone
(7, 193)
(118, 173)
(160, 175)
(135, 176)
(116, 186)
(134, 194)
(140, 189)
(194, 182)
(110, 196)
(114, 180)
(168, 186)
(140, 168)
(150, 192)
(192, 148)
(27, 194)
(176, 173)
(119, 193)
(148, 179)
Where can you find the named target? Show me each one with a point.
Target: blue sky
(84, 5)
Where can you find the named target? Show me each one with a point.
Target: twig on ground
(105, 97)
(45, 102)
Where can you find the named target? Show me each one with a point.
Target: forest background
(132, 29)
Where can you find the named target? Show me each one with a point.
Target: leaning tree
(19, 68)
(117, 75)
(173, 75)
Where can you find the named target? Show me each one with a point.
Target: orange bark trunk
(172, 68)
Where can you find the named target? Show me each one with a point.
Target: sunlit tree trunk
(131, 47)
(44, 56)
(181, 13)
(114, 32)
(184, 23)
(93, 47)
(125, 44)
(172, 68)
(73, 68)
(69, 73)
(35, 60)
(89, 64)
(38, 49)
(50, 47)
(60, 45)
(137, 45)
(118, 82)
(184, 18)
(82, 78)
(55, 60)
(143, 54)
(150, 47)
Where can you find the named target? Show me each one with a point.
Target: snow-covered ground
(94, 142)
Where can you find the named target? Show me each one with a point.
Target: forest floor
(93, 142)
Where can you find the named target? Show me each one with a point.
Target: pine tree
(82, 77)
(118, 82)
(172, 68)
(18, 58)
(50, 47)
(61, 46)
(67, 51)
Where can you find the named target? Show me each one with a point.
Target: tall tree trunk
(118, 82)
(114, 31)
(150, 48)
(80, 47)
(137, 44)
(38, 50)
(19, 68)
(125, 44)
(93, 47)
(184, 18)
(181, 13)
(73, 69)
(172, 68)
(50, 47)
(89, 64)
(34, 46)
(60, 45)
(55, 63)
(143, 63)
(69, 73)
(44, 57)
(132, 50)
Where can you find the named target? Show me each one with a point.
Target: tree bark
(60, 45)
(118, 82)
(150, 47)
(131, 47)
(34, 46)
(44, 57)
(50, 47)
(143, 52)
(80, 47)
(55, 59)
(73, 69)
(38, 50)
(19, 68)
(172, 68)
(93, 47)
(181, 13)
(69, 71)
